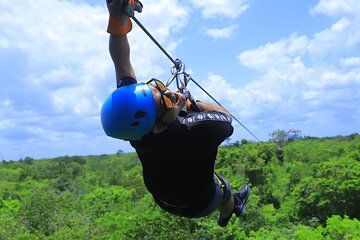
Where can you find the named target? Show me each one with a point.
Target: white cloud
(225, 8)
(224, 33)
(318, 100)
(56, 71)
(325, 46)
(218, 87)
(337, 7)
(275, 55)
(5, 124)
(341, 36)
(60, 36)
(162, 18)
(304, 84)
(350, 62)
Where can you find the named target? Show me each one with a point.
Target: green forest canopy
(304, 189)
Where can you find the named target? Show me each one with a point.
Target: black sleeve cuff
(125, 81)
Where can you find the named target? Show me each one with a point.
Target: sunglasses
(166, 101)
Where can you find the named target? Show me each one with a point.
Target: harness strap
(225, 187)
(222, 185)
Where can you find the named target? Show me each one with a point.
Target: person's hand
(134, 5)
(117, 9)
(192, 105)
(120, 13)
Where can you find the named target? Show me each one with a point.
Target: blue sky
(274, 64)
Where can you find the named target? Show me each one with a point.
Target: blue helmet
(129, 112)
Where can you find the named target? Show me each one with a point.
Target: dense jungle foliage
(303, 189)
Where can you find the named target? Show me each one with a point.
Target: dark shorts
(222, 196)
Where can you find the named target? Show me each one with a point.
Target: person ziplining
(175, 137)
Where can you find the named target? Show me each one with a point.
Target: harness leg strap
(225, 186)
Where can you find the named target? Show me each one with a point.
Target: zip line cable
(176, 63)
(222, 106)
(154, 40)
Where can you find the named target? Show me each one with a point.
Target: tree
(334, 188)
(279, 136)
(39, 213)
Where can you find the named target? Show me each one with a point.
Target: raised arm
(119, 26)
(120, 53)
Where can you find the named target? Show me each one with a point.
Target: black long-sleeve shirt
(178, 164)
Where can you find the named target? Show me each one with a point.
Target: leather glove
(120, 11)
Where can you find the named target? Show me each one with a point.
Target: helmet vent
(139, 114)
(134, 124)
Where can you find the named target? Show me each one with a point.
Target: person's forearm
(213, 107)
(120, 53)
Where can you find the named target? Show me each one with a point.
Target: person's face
(168, 103)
